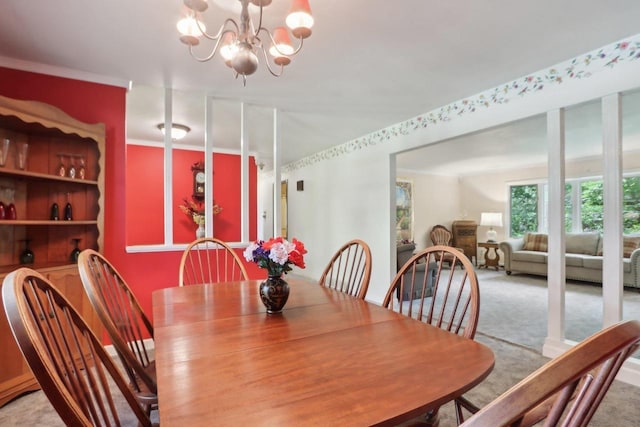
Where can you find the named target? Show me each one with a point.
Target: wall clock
(198, 180)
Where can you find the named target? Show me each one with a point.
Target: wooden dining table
(327, 359)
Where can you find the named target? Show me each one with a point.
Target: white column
(244, 178)
(612, 273)
(168, 167)
(208, 165)
(277, 178)
(555, 259)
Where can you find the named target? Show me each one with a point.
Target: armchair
(441, 236)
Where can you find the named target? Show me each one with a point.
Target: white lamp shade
(491, 219)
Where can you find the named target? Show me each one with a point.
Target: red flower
(296, 259)
(299, 246)
(269, 244)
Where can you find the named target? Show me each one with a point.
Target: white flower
(248, 253)
(279, 253)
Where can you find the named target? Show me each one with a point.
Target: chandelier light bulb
(282, 47)
(190, 33)
(228, 48)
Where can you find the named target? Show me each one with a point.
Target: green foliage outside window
(592, 209)
(524, 202)
(631, 204)
(524, 209)
(568, 208)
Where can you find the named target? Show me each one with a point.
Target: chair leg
(432, 418)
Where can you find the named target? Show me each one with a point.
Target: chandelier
(240, 43)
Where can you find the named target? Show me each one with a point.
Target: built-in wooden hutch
(53, 138)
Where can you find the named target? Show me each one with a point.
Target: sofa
(404, 252)
(583, 258)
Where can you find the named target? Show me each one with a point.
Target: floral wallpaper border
(624, 51)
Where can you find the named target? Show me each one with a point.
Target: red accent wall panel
(144, 195)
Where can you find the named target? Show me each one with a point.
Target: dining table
(327, 359)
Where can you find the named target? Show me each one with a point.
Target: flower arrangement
(195, 209)
(276, 255)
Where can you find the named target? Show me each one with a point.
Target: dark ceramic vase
(274, 293)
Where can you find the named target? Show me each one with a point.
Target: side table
(489, 260)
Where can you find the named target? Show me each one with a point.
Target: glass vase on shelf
(22, 151)
(200, 231)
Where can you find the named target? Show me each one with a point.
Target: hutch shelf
(56, 142)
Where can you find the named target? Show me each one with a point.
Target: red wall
(92, 102)
(144, 188)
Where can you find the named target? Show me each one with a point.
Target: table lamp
(491, 219)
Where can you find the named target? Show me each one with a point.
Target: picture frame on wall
(404, 210)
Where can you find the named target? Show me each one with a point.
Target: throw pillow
(629, 244)
(535, 242)
(582, 243)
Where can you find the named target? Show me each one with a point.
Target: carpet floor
(512, 323)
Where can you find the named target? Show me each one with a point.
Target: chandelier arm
(266, 61)
(218, 38)
(274, 44)
(220, 30)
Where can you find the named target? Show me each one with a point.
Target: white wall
(436, 200)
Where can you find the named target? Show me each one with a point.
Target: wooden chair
(349, 270)
(74, 370)
(210, 260)
(448, 298)
(125, 322)
(567, 390)
(441, 236)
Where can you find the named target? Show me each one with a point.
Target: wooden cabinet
(465, 237)
(52, 136)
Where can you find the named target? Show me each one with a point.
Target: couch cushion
(582, 243)
(574, 260)
(529, 256)
(594, 262)
(535, 242)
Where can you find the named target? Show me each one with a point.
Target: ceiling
(368, 64)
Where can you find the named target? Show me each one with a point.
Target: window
(584, 206)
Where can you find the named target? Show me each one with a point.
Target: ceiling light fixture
(177, 131)
(238, 43)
